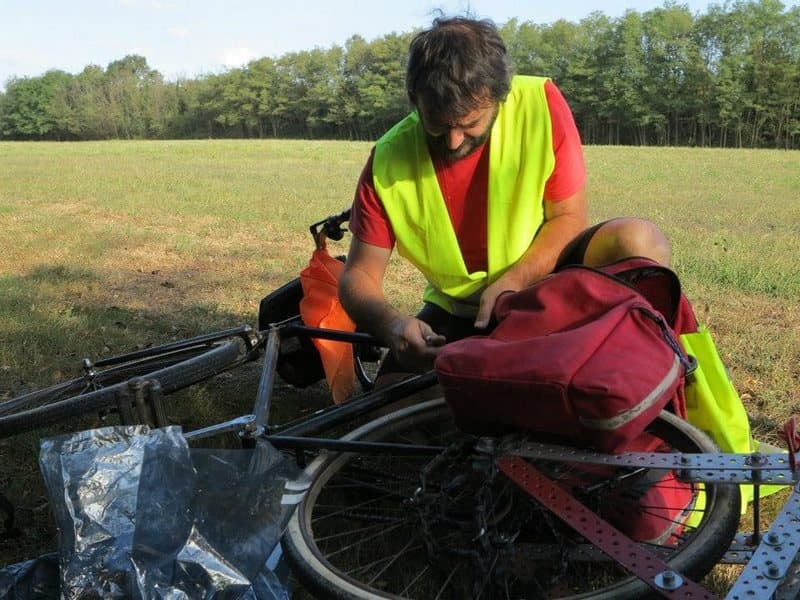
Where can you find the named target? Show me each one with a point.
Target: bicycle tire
(98, 379)
(322, 573)
(173, 371)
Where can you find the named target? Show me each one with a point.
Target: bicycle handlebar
(330, 227)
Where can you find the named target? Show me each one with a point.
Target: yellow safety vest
(521, 160)
(713, 405)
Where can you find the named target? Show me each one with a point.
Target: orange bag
(320, 307)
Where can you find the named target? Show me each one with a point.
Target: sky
(191, 38)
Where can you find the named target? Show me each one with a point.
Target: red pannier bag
(650, 505)
(581, 354)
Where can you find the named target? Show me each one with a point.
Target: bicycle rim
(373, 527)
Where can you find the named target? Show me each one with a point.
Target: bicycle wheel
(102, 390)
(377, 526)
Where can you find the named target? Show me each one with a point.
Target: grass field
(111, 246)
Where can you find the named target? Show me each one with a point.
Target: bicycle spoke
(444, 585)
(393, 560)
(345, 509)
(377, 485)
(413, 582)
(452, 526)
(380, 525)
(363, 541)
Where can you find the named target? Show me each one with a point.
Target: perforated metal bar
(705, 467)
(635, 558)
(772, 571)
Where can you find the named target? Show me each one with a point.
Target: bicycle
(407, 505)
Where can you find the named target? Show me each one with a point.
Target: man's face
(459, 138)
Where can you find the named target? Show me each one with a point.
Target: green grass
(112, 246)
(732, 215)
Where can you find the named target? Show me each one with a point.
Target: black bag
(299, 363)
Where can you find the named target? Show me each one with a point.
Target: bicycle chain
(497, 557)
(480, 540)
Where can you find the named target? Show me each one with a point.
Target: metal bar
(123, 398)
(772, 469)
(336, 335)
(155, 398)
(244, 331)
(293, 442)
(764, 574)
(343, 413)
(237, 425)
(267, 381)
(740, 551)
(635, 558)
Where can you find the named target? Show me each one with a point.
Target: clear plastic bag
(141, 515)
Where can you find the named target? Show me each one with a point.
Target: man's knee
(625, 237)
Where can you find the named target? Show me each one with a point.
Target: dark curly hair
(456, 65)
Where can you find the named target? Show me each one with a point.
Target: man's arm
(563, 220)
(361, 293)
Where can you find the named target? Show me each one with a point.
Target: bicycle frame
(296, 434)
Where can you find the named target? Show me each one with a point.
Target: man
(482, 188)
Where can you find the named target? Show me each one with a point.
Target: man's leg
(617, 239)
(625, 237)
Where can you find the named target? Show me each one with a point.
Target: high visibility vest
(521, 160)
(714, 406)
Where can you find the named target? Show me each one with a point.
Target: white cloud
(236, 57)
(178, 32)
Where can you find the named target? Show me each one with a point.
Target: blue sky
(187, 38)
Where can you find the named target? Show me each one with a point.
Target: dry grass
(115, 245)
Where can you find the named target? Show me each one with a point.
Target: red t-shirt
(464, 187)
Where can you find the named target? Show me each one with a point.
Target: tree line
(728, 77)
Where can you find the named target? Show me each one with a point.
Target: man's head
(457, 74)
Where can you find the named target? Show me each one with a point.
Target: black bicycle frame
(299, 434)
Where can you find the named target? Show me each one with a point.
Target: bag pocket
(630, 377)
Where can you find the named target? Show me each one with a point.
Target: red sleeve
(569, 174)
(368, 220)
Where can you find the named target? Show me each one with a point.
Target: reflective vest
(521, 160)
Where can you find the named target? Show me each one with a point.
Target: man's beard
(437, 145)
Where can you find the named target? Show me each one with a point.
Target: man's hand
(414, 343)
(563, 220)
(489, 299)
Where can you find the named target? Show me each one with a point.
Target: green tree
(727, 77)
(262, 80)
(131, 88)
(669, 52)
(373, 96)
(94, 114)
(34, 108)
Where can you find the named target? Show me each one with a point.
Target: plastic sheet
(140, 515)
